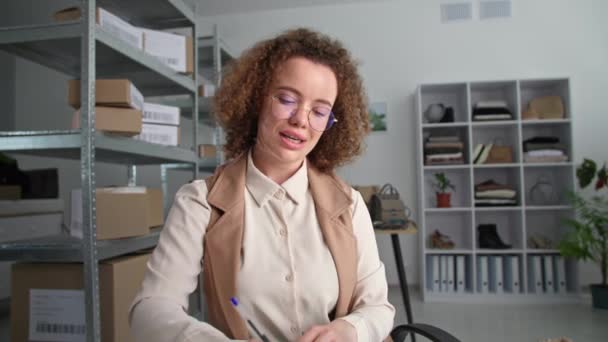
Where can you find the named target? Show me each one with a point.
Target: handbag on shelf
(543, 192)
(387, 208)
(500, 154)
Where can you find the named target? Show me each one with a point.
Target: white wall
(401, 44)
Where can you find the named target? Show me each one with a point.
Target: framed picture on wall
(377, 116)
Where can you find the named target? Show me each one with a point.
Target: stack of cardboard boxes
(118, 106)
(175, 50)
(47, 302)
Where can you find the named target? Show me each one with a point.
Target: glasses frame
(330, 121)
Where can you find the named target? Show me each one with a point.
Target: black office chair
(400, 333)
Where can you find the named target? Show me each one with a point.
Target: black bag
(387, 208)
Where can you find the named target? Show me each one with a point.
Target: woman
(274, 227)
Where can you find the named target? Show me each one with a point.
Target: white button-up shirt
(287, 281)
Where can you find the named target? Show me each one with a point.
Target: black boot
(488, 237)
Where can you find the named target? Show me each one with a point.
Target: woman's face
(300, 89)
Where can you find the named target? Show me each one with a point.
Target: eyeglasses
(320, 118)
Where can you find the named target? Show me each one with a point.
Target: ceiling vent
(456, 11)
(491, 9)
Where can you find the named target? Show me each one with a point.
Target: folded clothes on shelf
(491, 193)
(544, 149)
(491, 110)
(443, 150)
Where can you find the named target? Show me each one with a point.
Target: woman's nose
(300, 116)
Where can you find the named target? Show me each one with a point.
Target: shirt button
(278, 194)
(288, 277)
(294, 330)
(283, 232)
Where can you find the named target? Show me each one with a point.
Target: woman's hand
(336, 331)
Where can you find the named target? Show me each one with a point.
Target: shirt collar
(263, 188)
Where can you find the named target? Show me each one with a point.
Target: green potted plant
(442, 184)
(588, 240)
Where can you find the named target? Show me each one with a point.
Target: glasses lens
(318, 118)
(284, 106)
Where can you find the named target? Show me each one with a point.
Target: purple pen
(235, 303)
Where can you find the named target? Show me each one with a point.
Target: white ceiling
(221, 7)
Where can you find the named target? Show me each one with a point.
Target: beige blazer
(223, 240)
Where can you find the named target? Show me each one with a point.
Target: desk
(394, 232)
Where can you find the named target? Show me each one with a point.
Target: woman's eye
(286, 100)
(321, 111)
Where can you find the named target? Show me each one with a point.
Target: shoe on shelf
(539, 241)
(441, 241)
(488, 237)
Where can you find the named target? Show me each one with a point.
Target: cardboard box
(108, 22)
(159, 134)
(174, 50)
(59, 288)
(10, 192)
(207, 150)
(109, 93)
(155, 207)
(161, 114)
(123, 121)
(206, 90)
(189, 55)
(27, 219)
(121, 212)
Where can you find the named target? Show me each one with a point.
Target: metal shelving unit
(213, 55)
(83, 50)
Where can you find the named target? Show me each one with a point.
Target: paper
(57, 315)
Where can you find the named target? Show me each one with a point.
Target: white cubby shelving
(538, 214)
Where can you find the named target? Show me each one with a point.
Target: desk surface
(410, 228)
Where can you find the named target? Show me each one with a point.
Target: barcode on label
(169, 60)
(58, 328)
(156, 138)
(157, 116)
(121, 34)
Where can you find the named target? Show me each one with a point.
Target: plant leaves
(585, 172)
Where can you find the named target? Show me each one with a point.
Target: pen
(238, 308)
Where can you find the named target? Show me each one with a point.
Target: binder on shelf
(548, 280)
(535, 274)
(436, 277)
(512, 281)
(460, 275)
(482, 274)
(450, 263)
(559, 270)
(444, 273)
(496, 275)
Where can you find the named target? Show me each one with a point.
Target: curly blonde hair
(239, 99)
